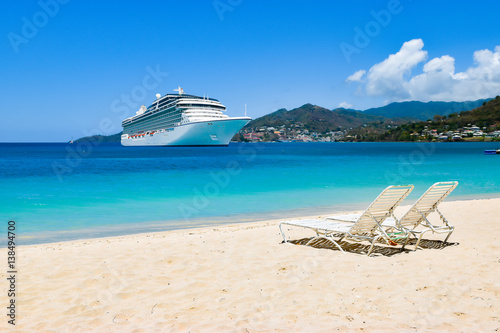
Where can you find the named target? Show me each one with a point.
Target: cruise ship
(181, 120)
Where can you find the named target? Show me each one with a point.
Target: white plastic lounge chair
(425, 205)
(418, 213)
(368, 226)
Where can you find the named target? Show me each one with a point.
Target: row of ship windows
(161, 108)
(170, 114)
(129, 131)
(203, 109)
(167, 102)
(203, 106)
(203, 116)
(151, 115)
(175, 117)
(161, 105)
(170, 123)
(161, 118)
(211, 111)
(161, 123)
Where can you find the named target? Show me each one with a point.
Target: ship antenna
(245, 110)
(180, 90)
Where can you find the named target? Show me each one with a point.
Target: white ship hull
(204, 133)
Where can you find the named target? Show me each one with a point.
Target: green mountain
(423, 111)
(314, 118)
(485, 117)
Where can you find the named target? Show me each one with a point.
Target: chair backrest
(427, 203)
(381, 208)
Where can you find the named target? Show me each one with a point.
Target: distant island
(405, 121)
(101, 138)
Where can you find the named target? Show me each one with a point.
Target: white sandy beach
(241, 278)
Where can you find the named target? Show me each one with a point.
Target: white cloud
(345, 105)
(389, 76)
(356, 76)
(438, 81)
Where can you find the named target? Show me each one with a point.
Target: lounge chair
(428, 203)
(417, 214)
(368, 226)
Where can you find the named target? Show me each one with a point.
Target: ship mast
(180, 90)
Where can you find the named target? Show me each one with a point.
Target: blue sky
(70, 74)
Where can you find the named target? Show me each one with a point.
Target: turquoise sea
(60, 192)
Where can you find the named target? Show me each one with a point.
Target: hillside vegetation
(314, 118)
(485, 117)
(101, 138)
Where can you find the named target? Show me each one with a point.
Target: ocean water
(60, 192)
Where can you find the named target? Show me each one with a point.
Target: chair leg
(371, 249)
(334, 242)
(283, 234)
(420, 238)
(406, 242)
(371, 246)
(312, 240)
(449, 234)
(327, 238)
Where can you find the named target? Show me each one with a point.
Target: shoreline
(130, 229)
(241, 278)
